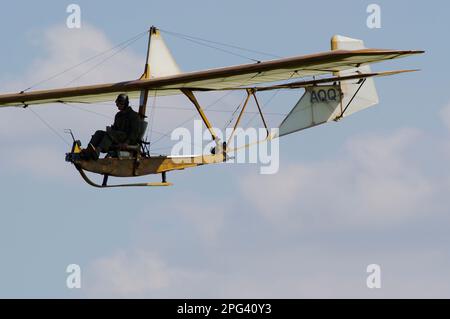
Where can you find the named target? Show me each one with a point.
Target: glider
(346, 85)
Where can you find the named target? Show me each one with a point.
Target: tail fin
(325, 103)
(366, 95)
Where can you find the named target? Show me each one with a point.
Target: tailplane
(325, 103)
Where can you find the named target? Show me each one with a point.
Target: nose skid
(75, 153)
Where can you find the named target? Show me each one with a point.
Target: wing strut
(261, 114)
(250, 92)
(190, 95)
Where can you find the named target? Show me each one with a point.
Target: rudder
(366, 93)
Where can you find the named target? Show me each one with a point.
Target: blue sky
(370, 189)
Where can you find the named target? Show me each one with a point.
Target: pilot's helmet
(123, 99)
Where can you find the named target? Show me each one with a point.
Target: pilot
(125, 130)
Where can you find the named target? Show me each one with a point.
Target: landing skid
(105, 181)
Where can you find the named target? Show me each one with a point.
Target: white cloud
(205, 217)
(63, 48)
(145, 270)
(127, 274)
(143, 273)
(40, 160)
(202, 217)
(375, 181)
(312, 272)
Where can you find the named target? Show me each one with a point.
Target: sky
(371, 189)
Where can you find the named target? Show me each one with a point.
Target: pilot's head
(122, 101)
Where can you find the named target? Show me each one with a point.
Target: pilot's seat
(128, 150)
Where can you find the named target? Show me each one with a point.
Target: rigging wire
(216, 48)
(88, 111)
(262, 107)
(269, 100)
(120, 47)
(138, 36)
(103, 61)
(218, 111)
(178, 108)
(205, 109)
(167, 134)
(49, 126)
(220, 43)
(234, 113)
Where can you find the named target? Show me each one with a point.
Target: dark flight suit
(125, 130)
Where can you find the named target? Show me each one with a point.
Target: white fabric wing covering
(165, 77)
(367, 95)
(160, 59)
(316, 107)
(319, 104)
